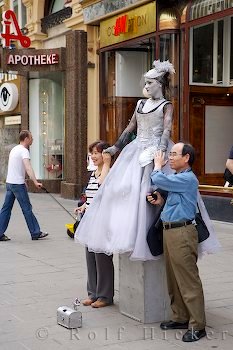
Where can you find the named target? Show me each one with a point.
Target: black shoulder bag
(228, 176)
(202, 230)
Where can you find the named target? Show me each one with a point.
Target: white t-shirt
(16, 169)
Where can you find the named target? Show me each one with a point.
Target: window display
(46, 105)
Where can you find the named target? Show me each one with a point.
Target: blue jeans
(21, 194)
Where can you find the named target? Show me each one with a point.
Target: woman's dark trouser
(100, 279)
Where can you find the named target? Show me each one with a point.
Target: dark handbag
(201, 227)
(155, 237)
(228, 176)
(71, 228)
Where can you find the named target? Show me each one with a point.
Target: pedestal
(143, 292)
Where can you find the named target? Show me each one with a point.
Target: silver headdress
(159, 69)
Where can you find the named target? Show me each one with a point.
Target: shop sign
(13, 120)
(9, 97)
(33, 60)
(9, 22)
(134, 23)
(4, 77)
(125, 24)
(55, 148)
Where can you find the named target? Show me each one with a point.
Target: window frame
(19, 14)
(52, 6)
(226, 53)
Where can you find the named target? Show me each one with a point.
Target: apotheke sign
(12, 33)
(33, 60)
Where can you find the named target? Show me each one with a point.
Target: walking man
(180, 240)
(18, 165)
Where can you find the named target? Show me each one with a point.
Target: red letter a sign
(10, 24)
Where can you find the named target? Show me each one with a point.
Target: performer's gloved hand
(122, 141)
(111, 150)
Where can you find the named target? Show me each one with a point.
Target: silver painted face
(153, 88)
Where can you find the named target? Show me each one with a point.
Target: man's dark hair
(99, 145)
(189, 149)
(23, 135)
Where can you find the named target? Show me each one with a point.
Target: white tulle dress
(119, 217)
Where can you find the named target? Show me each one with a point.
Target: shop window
(203, 54)
(169, 51)
(211, 53)
(121, 85)
(167, 47)
(46, 110)
(217, 144)
(130, 67)
(20, 11)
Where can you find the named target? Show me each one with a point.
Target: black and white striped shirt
(91, 189)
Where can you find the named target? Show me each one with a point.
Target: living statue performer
(119, 217)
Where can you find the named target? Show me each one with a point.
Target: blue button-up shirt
(182, 194)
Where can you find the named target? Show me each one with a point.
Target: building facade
(52, 94)
(196, 36)
(123, 38)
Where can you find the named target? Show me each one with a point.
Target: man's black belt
(168, 225)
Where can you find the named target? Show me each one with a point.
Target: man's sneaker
(40, 236)
(4, 238)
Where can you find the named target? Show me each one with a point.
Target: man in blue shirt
(180, 240)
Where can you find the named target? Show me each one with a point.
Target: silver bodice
(150, 126)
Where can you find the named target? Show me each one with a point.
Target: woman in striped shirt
(100, 269)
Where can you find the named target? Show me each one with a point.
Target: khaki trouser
(184, 284)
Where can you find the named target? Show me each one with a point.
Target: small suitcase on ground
(68, 317)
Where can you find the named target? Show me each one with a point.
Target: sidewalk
(39, 276)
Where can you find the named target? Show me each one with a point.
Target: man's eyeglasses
(174, 154)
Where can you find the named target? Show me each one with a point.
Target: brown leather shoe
(88, 302)
(100, 303)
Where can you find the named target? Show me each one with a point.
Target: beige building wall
(76, 23)
(56, 38)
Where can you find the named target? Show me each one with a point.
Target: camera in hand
(154, 195)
